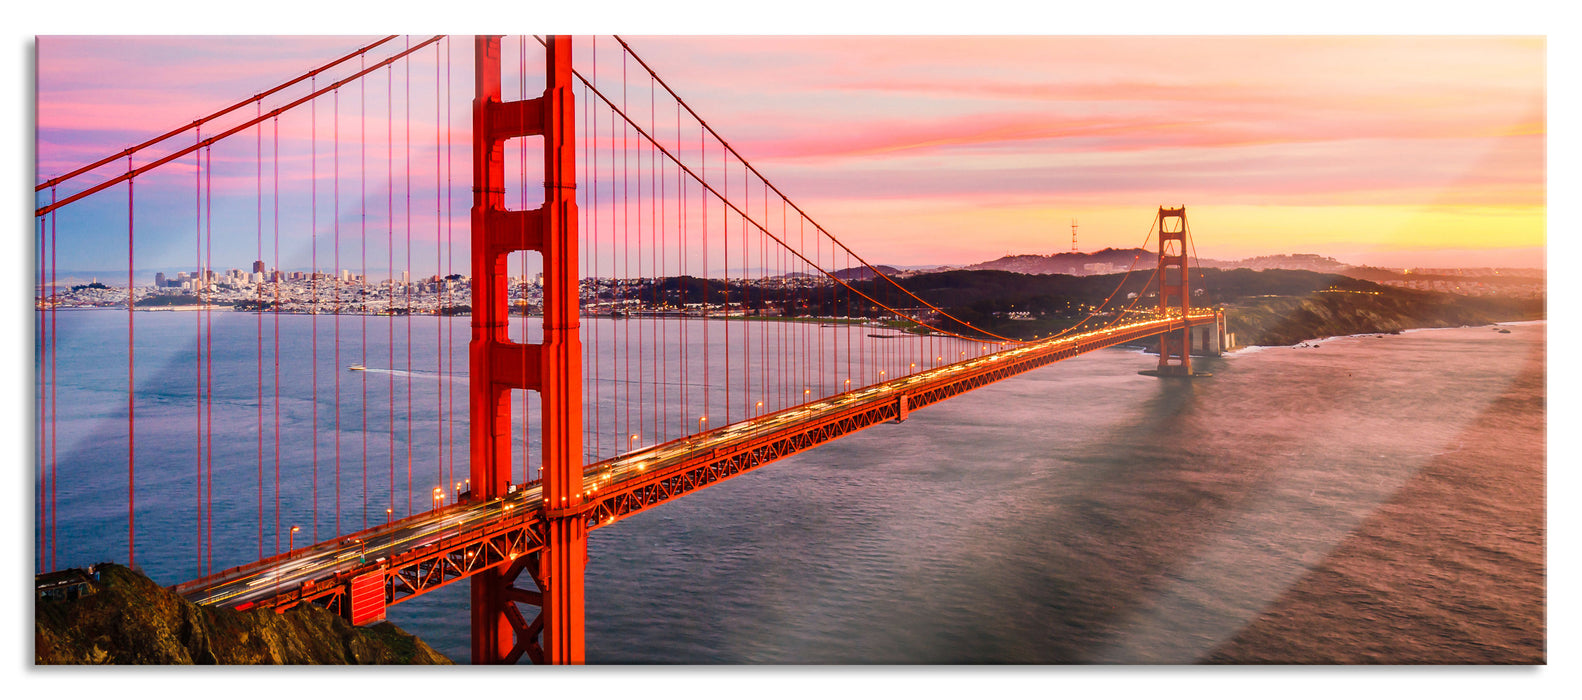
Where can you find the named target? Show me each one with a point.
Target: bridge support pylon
(501, 633)
(1175, 295)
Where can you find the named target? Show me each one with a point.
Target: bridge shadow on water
(965, 539)
(1133, 506)
(1325, 496)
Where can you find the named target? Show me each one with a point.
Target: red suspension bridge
(726, 328)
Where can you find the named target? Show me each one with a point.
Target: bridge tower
(1175, 296)
(553, 368)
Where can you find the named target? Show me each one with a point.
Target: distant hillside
(1122, 259)
(1300, 261)
(128, 619)
(1267, 307)
(863, 273)
(1069, 263)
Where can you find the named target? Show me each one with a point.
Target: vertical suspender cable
(655, 257)
(708, 286)
(40, 392)
(595, 401)
(636, 396)
(747, 302)
(41, 379)
(337, 288)
(521, 189)
(521, 205)
(406, 281)
(275, 274)
(46, 316)
(258, 317)
(198, 283)
(591, 380)
(131, 374)
(313, 287)
(763, 324)
(450, 257)
(681, 296)
(390, 270)
(589, 225)
(362, 286)
(441, 295)
(725, 237)
(208, 342)
(623, 368)
(54, 385)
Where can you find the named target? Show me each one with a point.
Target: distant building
(69, 584)
(159, 279)
(258, 266)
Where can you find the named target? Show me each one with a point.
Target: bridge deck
(430, 550)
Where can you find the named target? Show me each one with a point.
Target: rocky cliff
(125, 618)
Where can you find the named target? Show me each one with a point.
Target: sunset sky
(1376, 147)
(1393, 151)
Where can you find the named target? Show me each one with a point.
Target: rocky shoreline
(119, 616)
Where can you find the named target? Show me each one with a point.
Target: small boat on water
(357, 368)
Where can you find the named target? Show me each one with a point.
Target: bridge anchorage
(1175, 299)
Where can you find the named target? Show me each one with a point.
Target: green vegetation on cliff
(1287, 320)
(171, 300)
(128, 619)
(1263, 307)
(1285, 307)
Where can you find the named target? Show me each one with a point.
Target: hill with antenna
(1098, 263)
(1111, 260)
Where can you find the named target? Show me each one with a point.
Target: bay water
(1366, 499)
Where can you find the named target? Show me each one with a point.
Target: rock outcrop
(125, 618)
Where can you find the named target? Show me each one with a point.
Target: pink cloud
(996, 121)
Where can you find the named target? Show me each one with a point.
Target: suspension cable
(750, 168)
(877, 273)
(227, 133)
(203, 120)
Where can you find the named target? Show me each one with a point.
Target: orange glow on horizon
(953, 150)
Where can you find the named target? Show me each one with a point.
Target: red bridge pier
(553, 368)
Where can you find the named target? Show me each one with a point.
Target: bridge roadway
(435, 548)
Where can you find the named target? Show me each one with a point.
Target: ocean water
(1368, 500)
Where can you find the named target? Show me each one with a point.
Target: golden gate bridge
(644, 214)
